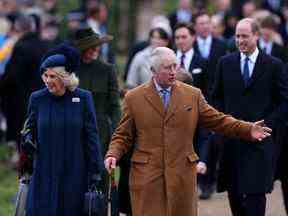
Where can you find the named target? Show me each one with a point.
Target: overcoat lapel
(152, 96)
(258, 69)
(238, 75)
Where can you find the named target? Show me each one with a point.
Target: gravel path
(218, 204)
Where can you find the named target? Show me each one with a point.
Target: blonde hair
(70, 80)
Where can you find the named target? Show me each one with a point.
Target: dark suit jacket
(199, 79)
(173, 19)
(279, 51)
(218, 49)
(246, 167)
(284, 33)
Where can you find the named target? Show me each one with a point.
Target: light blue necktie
(165, 97)
(246, 74)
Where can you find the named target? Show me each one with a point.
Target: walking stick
(112, 183)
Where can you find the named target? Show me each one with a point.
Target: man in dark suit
(284, 25)
(182, 14)
(188, 59)
(250, 85)
(210, 49)
(266, 43)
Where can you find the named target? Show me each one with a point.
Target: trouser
(247, 204)
(284, 186)
(207, 181)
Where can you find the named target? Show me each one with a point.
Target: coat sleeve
(218, 122)
(93, 151)
(114, 98)
(124, 135)
(28, 133)
(280, 95)
(217, 97)
(28, 144)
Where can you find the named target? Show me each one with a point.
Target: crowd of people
(61, 106)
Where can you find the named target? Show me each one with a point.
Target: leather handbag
(20, 209)
(94, 202)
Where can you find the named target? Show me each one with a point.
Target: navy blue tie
(245, 74)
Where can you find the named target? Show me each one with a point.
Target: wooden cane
(111, 182)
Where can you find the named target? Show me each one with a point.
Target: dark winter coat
(65, 132)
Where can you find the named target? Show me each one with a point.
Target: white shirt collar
(188, 54)
(207, 40)
(188, 57)
(159, 88)
(252, 57)
(267, 45)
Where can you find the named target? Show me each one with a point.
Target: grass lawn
(8, 184)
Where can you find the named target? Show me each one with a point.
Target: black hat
(62, 55)
(86, 38)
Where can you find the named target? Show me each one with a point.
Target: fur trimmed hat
(63, 55)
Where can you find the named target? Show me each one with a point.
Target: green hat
(86, 38)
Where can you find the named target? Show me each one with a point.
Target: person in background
(61, 134)
(188, 59)
(100, 78)
(210, 49)
(156, 22)
(161, 117)
(248, 8)
(266, 43)
(75, 20)
(183, 13)
(140, 71)
(97, 18)
(284, 25)
(21, 75)
(50, 31)
(218, 27)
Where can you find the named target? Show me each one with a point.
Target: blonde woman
(61, 132)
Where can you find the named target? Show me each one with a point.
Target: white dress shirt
(267, 47)
(251, 62)
(188, 58)
(204, 45)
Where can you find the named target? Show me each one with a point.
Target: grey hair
(156, 57)
(255, 27)
(70, 80)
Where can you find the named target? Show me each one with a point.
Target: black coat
(200, 80)
(284, 33)
(279, 51)
(218, 49)
(174, 20)
(21, 78)
(247, 167)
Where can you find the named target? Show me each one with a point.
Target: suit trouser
(208, 180)
(247, 204)
(284, 186)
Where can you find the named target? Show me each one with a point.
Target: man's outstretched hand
(259, 131)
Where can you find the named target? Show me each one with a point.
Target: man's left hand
(259, 131)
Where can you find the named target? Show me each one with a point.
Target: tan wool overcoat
(163, 169)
